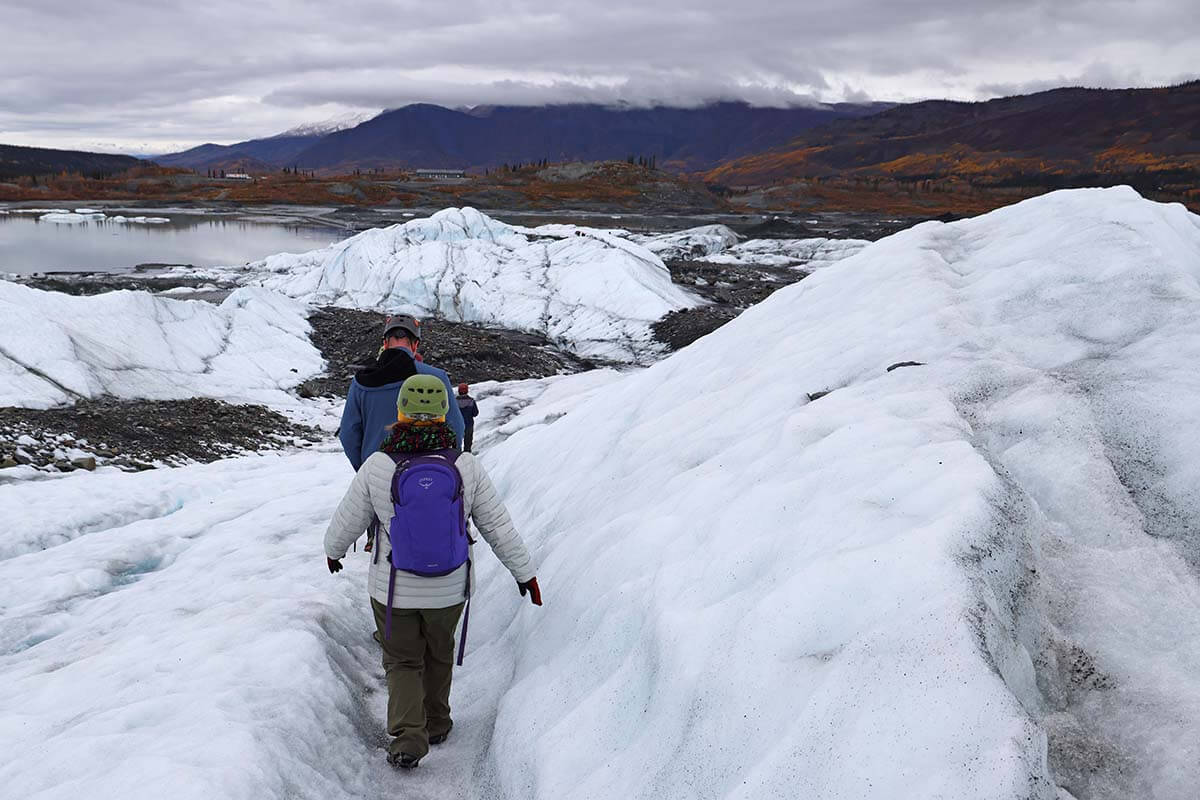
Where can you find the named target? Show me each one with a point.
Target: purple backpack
(428, 533)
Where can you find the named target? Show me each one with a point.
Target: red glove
(535, 594)
(334, 564)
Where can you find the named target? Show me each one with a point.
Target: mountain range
(422, 135)
(930, 157)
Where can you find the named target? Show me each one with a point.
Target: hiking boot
(441, 737)
(403, 760)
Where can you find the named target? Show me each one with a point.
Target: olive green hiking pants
(418, 659)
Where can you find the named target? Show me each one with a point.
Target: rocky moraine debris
(730, 290)
(349, 338)
(140, 434)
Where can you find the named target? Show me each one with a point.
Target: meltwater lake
(41, 241)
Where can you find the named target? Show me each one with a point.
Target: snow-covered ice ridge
(57, 348)
(974, 578)
(591, 291)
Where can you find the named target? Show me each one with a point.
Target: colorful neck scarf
(409, 438)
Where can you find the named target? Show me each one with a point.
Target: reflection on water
(28, 244)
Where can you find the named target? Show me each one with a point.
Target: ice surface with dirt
(807, 254)
(719, 244)
(973, 577)
(587, 290)
(57, 348)
(705, 240)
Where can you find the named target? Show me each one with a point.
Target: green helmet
(423, 397)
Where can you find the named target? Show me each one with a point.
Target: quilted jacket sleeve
(493, 521)
(352, 516)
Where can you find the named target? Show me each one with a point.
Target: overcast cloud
(149, 76)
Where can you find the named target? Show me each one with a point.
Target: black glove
(535, 594)
(334, 564)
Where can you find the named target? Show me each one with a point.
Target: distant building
(238, 176)
(441, 173)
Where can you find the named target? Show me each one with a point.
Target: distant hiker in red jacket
(470, 410)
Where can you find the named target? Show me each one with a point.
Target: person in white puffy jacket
(418, 655)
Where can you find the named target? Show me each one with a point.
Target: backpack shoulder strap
(452, 457)
(401, 461)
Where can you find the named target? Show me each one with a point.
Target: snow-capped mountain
(332, 124)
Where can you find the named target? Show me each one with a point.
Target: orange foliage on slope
(766, 167)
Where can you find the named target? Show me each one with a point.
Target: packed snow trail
(175, 633)
(197, 647)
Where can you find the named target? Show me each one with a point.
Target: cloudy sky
(150, 76)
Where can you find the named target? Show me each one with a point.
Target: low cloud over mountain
(165, 77)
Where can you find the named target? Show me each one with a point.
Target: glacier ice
(57, 348)
(592, 292)
(972, 577)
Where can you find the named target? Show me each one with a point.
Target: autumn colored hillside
(602, 185)
(970, 156)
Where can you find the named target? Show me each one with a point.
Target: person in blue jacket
(371, 401)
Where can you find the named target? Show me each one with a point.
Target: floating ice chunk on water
(70, 218)
(119, 219)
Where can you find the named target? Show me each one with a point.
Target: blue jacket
(371, 403)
